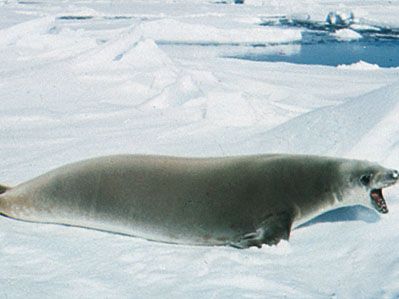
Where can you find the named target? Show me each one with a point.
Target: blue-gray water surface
(384, 53)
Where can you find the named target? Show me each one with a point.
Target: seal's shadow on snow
(355, 213)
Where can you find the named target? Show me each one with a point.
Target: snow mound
(360, 65)
(183, 89)
(346, 35)
(335, 130)
(231, 109)
(36, 27)
(129, 48)
(112, 50)
(381, 142)
(44, 38)
(144, 54)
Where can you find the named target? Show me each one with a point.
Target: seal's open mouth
(378, 201)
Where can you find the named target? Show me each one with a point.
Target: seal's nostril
(395, 174)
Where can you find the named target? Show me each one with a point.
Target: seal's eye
(365, 179)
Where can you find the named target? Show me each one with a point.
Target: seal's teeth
(378, 200)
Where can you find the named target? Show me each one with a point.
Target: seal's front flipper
(275, 228)
(3, 189)
(248, 240)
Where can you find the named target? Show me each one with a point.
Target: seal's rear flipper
(3, 189)
(273, 229)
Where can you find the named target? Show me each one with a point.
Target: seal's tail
(3, 189)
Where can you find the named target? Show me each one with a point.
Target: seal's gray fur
(240, 201)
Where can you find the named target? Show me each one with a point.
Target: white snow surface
(346, 35)
(360, 65)
(81, 79)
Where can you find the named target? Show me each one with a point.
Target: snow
(346, 35)
(139, 77)
(360, 65)
(173, 31)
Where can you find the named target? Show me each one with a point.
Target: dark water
(384, 53)
(378, 45)
(75, 18)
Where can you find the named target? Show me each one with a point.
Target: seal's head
(366, 181)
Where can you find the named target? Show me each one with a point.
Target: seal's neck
(336, 201)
